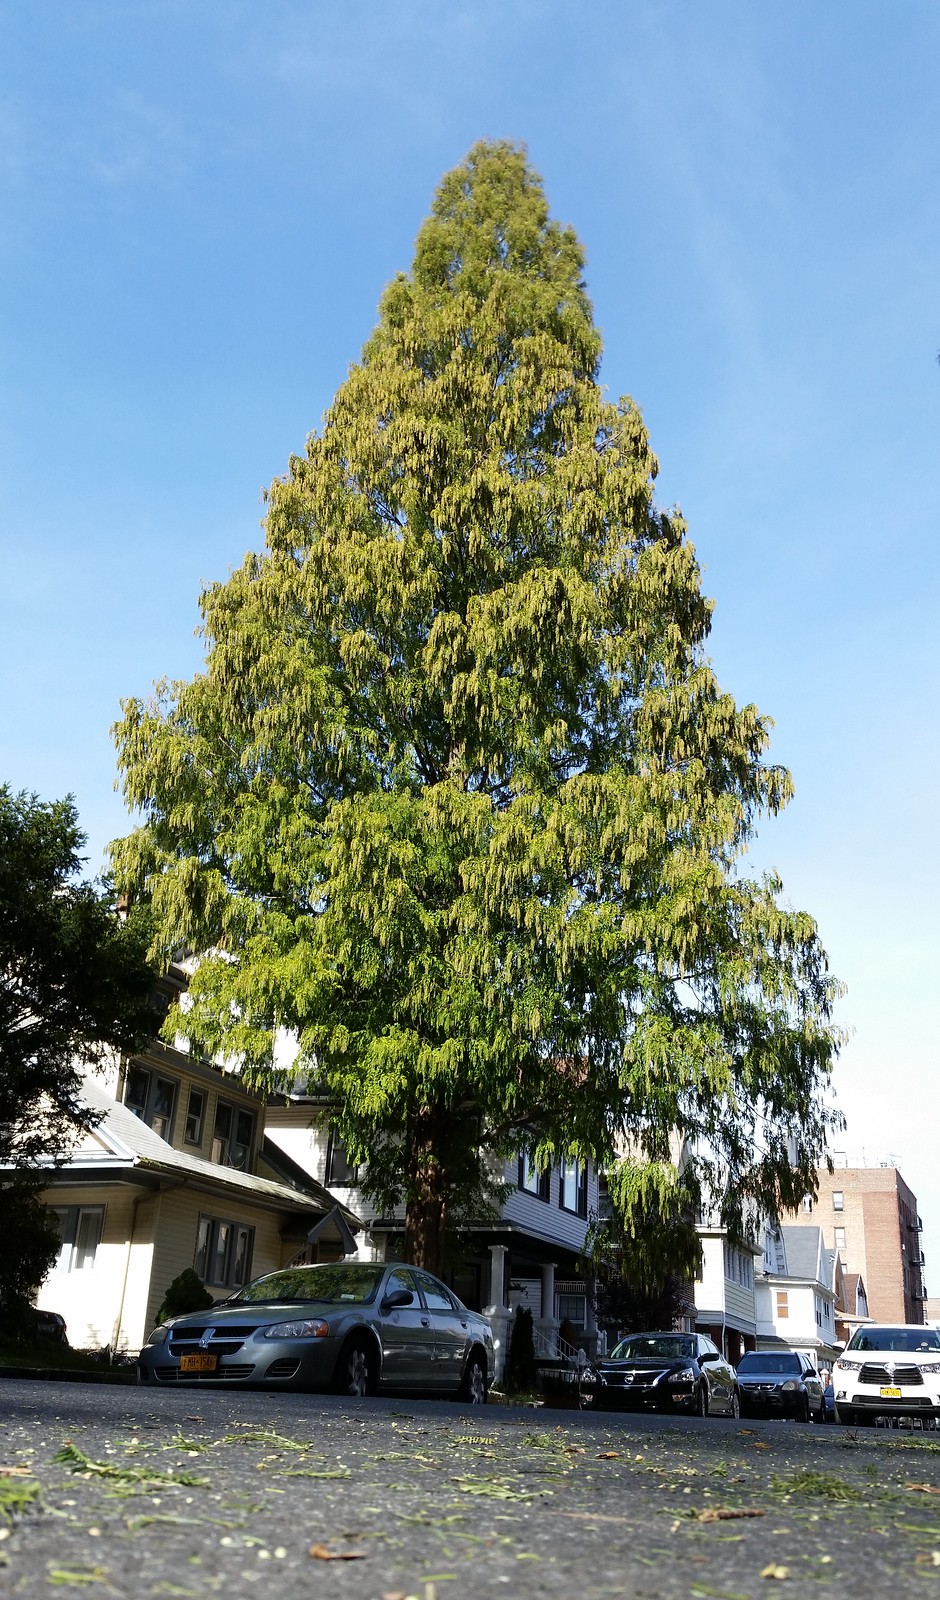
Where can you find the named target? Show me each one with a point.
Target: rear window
(909, 1341)
(774, 1364)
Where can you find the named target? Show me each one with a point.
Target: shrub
(520, 1366)
(186, 1293)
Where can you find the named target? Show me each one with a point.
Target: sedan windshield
(328, 1285)
(753, 1362)
(657, 1346)
(907, 1340)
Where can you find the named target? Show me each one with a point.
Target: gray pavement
(127, 1492)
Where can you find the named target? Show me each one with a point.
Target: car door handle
(425, 1322)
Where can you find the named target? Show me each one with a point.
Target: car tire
(803, 1411)
(473, 1386)
(357, 1370)
(845, 1417)
(734, 1410)
(701, 1400)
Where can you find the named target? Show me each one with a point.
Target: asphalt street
(124, 1492)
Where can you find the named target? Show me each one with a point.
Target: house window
(152, 1098)
(80, 1231)
(739, 1266)
(531, 1180)
(838, 1200)
(573, 1308)
(783, 1306)
(223, 1252)
(807, 1202)
(840, 1238)
(339, 1169)
(233, 1136)
(572, 1187)
(195, 1116)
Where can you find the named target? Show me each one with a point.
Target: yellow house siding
(147, 1240)
(90, 1299)
(211, 1083)
(176, 1232)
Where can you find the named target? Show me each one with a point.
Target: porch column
(548, 1291)
(496, 1311)
(498, 1254)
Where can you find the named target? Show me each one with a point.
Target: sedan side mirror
(396, 1298)
(709, 1355)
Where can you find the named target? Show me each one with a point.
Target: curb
(69, 1375)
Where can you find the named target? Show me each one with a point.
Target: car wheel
(473, 1386)
(802, 1414)
(357, 1368)
(845, 1417)
(734, 1410)
(701, 1401)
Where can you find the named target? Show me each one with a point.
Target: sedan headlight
(313, 1329)
(790, 1385)
(687, 1375)
(160, 1335)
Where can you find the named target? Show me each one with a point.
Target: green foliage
(642, 1258)
(187, 1292)
(457, 797)
(30, 1247)
(74, 981)
(73, 977)
(520, 1364)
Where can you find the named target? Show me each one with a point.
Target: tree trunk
(426, 1208)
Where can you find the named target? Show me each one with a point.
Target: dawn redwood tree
(457, 798)
(74, 982)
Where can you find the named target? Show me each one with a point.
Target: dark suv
(780, 1383)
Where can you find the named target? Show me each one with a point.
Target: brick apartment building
(870, 1216)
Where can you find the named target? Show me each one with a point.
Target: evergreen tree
(521, 1371)
(457, 797)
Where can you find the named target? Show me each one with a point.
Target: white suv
(888, 1372)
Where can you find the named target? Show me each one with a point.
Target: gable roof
(805, 1252)
(122, 1144)
(853, 1292)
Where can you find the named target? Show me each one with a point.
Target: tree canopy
(74, 982)
(457, 798)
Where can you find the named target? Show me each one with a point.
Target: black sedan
(353, 1327)
(781, 1383)
(666, 1372)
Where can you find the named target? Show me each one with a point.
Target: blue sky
(199, 206)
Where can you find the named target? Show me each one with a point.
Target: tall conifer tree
(457, 798)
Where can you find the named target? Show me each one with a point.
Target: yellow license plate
(890, 1394)
(198, 1363)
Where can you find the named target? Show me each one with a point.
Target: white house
(798, 1286)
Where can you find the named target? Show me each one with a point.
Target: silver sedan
(356, 1328)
